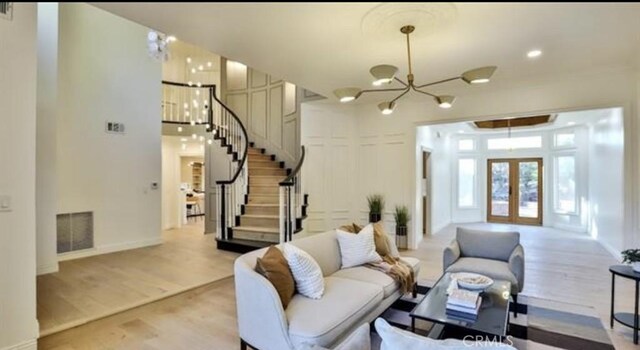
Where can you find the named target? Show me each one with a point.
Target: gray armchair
(498, 255)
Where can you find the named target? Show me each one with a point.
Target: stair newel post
(223, 213)
(291, 213)
(281, 214)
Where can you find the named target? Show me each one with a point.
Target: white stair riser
(251, 210)
(260, 222)
(239, 233)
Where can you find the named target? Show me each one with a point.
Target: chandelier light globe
(479, 75)
(383, 74)
(445, 101)
(347, 94)
(387, 107)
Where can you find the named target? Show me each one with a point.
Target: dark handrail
(246, 145)
(289, 180)
(202, 86)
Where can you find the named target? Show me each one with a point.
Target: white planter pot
(636, 266)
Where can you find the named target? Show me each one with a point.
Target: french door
(514, 191)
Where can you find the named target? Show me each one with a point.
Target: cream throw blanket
(395, 268)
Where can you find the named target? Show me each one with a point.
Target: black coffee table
(492, 320)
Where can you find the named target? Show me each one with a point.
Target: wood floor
(90, 288)
(560, 265)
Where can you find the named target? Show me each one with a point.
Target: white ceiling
(321, 46)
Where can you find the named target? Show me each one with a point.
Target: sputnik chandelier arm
(385, 74)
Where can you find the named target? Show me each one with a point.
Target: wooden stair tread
(262, 205)
(246, 242)
(258, 229)
(258, 216)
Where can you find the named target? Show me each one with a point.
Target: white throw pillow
(357, 249)
(306, 272)
(394, 338)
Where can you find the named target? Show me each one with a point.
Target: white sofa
(352, 297)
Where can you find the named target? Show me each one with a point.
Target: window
(506, 143)
(466, 182)
(466, 145)
(565, 184)
(565, 139)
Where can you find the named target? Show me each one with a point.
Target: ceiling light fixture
(534, 53)
(385, 74)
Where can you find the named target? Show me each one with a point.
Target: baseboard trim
(437, 228)
(31, 344)
(571, 228)
(611, 250)
(110, 248)
(47, 268)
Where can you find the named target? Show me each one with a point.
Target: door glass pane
(528, 187)
(500, 189)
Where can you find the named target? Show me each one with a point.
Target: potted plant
(402, 217)
(632, 256)
(376, 206)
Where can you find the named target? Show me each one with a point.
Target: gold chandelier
(385, 74)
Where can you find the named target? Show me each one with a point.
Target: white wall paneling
(270, 109)
(258, 113)
(275, 115)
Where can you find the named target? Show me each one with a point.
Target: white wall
(171, 177)
(18, 46)
(606, 149)
(106, 74)
(47, 107)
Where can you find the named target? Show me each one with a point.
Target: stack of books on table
(463, 304)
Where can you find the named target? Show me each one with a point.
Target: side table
(625, 318)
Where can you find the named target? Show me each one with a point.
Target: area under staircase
(262, 203)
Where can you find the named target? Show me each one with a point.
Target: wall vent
(114, 128)
(75, 231)
(6, 10)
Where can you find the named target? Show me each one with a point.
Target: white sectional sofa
(352, 297)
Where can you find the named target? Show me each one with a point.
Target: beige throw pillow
(274, 267)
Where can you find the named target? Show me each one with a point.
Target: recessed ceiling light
(534, 53)
(461, 131)
(571, 123)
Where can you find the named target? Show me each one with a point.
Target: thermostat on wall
(114, 128)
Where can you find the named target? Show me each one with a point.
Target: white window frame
(554, 138)
(473, 141)
(556, 209)
(474, 192)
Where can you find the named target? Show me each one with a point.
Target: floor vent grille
(75, 231)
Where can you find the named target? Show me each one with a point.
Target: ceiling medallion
(385, 74)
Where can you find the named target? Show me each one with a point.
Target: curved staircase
(262, 203)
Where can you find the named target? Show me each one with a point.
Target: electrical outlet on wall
(114, 128)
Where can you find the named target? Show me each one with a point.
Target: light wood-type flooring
(90, 288)
(560, 265)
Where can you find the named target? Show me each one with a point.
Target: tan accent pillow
(274, 267)
(349, 228)
(379, 235)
